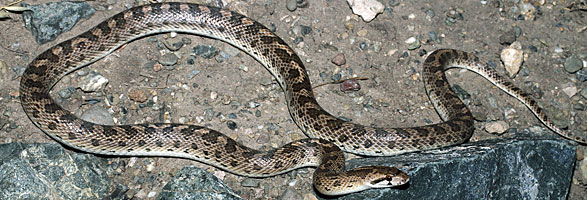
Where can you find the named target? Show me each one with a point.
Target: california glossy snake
(211, 147)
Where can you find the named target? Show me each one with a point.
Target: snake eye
(388, 178)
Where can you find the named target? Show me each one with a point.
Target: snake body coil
(211, 147)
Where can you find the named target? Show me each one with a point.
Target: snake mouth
(390, 181)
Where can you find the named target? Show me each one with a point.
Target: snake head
(384, 177)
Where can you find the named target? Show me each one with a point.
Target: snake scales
(212, 147)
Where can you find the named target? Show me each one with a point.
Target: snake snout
(388, 177)
(399, 179)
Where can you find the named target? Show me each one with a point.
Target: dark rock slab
(514, 168)
(47, 171)
(195, 183)
(49, 20)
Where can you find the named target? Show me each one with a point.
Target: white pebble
(497, 127)
(213, 95)
(367, 9)
(570, 90)
(151, 194)
(512, 58)
(93, 83)
(410, 40)
(181, 120)
(150, 167)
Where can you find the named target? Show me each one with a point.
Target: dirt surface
(240, 90)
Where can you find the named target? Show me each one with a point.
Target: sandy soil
(394, 88)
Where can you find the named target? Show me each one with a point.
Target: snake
(328, 136)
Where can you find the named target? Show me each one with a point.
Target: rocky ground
(189, 79)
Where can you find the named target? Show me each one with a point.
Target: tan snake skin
(211, 147)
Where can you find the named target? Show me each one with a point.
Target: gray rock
(462, 93)
(290, 194)
(48, 21)
(168, 59)
(582, 75)
(584, 92)
(250, 182)
(511, 168)
(19, 70)
(46, 171)
(195, 183)
(65, 93)
(291, 5)
(573, 64)
(206, 51)
(507, 38)
(98, 115)
(93, 82)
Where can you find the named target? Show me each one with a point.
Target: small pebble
(3, 70)
(291, 5)
(168, 59)
(413, 43)
(461, 93)
(362, 45)
(186, 40)
(291, 193)
(497, 127)
(65, 93)
(350, 85)
(263, 139)
(19, 70)
(250, 182)
(306, 30)
(151, 194)
(253, 104)
(512, 58)
(231, 125)
(584, 92)
(93, 82)
(213, 95)
(137, 95)
(303, 3)
(339, 59)
(157, 67)
(82, 73)
(573, 64)
(206, 51)
(298, 40)
(97, 115)
(336, 77)
(367, 9)
(533, 48)
(433, 36)
(192, 74)
(507, 38)
(222, 56)
(174, 44)
(570, 89)
(581, 75)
